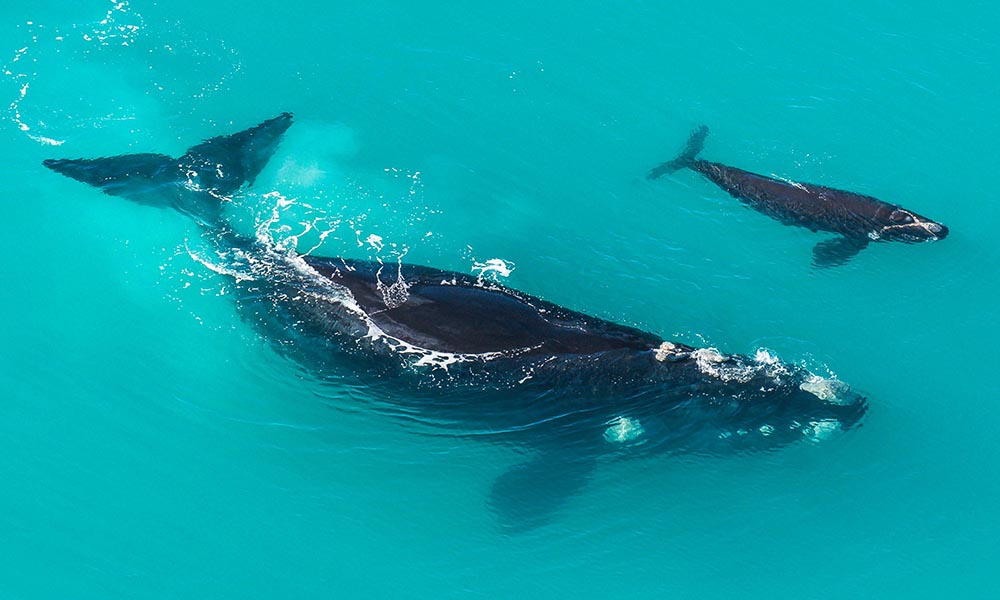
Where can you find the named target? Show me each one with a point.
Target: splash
(271, 226)
(23, 81)
(736, 369)
(712, 362)
(375, 241)
(493, 269)
(373, 219)
(90, 74)
(121, 25)
(396, 293)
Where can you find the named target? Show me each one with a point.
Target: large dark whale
(857, 219)
(458, 355)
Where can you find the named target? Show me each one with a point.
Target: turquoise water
(152, 445)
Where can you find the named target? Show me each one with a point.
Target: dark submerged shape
(473, 358)
(856, 218)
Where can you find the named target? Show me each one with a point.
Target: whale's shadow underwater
(479, 360)
(856, 219)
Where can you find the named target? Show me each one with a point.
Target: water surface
(154, 446)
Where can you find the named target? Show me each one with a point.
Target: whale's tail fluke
(686, 157)
(115, 175)
(196, 183)
(224, 163)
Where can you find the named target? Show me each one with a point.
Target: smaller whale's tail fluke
(686, 157)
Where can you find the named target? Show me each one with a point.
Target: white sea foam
(121, 25)
(53, 59)
(397, 292)
(711, 362)
(424, 357)
(22, 80)
(493, 269)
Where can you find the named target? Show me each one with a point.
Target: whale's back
(445, 311)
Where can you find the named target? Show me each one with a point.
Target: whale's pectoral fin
(528, 494)
(128, 174)
(836, 251)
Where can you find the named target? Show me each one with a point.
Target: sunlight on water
(162, 438)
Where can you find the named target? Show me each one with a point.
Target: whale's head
(907, 226)
(785, 405)
(720, 404)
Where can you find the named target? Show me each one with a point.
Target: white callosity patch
(668, 350)
(708, 356)
(830, 390)
(623, 429)
(927, 225)
(726, 368)
(711, 362)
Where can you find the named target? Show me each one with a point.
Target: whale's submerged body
(480, 359)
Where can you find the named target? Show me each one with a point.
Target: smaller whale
(856, 218)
